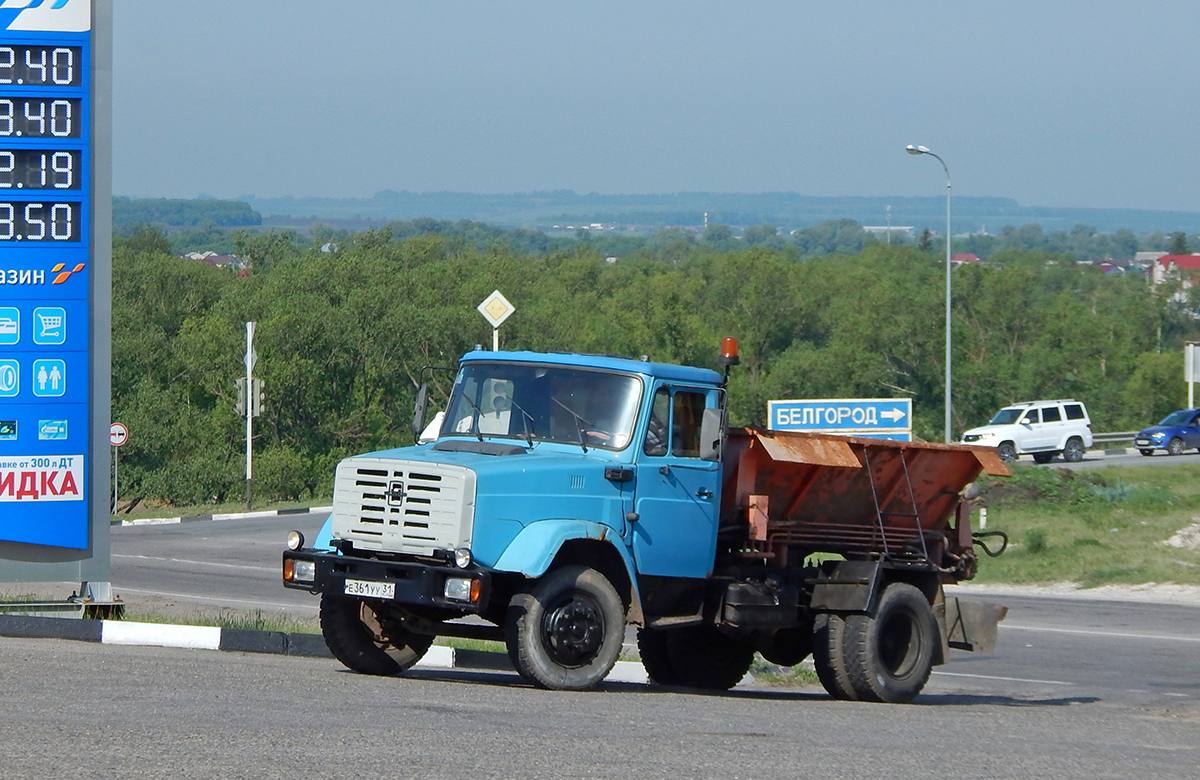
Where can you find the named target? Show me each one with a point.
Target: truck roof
(629, 365)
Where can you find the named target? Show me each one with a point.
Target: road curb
(225, 516)
(239, 640)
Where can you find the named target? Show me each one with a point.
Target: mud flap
(972, 624)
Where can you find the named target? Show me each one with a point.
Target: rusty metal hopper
(822, 492)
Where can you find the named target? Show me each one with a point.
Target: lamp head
(917, 149)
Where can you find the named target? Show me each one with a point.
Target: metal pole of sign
(495, 339)
(115, 461)
(251, 359)
(1189, 367)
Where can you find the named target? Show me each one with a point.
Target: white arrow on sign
(892, 414)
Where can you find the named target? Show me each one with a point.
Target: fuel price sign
(47, 272)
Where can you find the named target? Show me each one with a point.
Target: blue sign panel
(881, 418)
(45, 265)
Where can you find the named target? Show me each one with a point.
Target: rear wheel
(1175, 446)
(1073, 452)
(829, 656)
(367, 642)
(1006, 451)
(891, 651)
(652, 646)
(703, 657)
(565, 633)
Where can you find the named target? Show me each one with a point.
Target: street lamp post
(917, 149)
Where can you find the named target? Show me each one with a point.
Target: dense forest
(218, 225)
(344, 328)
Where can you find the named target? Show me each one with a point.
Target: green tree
(1179, 244)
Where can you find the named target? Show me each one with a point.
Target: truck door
(675, 492)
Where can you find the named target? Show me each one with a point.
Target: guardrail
(1110, 438)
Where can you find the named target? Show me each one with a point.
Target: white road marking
(1110, 634)
(1003, 679)
(214, 564)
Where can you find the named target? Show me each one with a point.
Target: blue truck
(564, 497)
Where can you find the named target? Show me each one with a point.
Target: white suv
(1043, 428)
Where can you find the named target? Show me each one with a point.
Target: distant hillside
(178, 213)
(787, 210)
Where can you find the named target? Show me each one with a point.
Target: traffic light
(256, 397)
(241, 401)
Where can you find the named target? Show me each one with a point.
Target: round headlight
(462, 557)
(295, 540)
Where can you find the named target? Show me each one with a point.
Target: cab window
(674, 425)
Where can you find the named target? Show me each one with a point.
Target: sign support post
(118, 434)
(251, 359)
(1191, 368)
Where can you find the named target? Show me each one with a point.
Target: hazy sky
(1088, 103)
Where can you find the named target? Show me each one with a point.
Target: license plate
(371, 590)
(1142, 442)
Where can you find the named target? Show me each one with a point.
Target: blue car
(1177, 432)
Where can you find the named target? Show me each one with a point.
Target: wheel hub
(573, 632)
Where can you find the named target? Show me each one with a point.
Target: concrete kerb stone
(225, 516)
(249, 641)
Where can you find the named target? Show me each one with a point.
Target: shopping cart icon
(51, 324)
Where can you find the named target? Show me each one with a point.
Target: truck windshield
(1005, 417)
(544, 403)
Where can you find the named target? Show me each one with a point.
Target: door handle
(704, 493)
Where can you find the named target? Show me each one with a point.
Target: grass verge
(1093, 527)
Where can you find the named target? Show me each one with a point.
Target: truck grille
(403, 506)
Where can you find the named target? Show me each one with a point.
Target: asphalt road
(1093, 459)
(104, 711)
(1076, 688)
(209, 566)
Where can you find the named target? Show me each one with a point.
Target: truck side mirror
(418, 423)
(712, 434)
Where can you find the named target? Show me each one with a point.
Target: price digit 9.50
(39, 221)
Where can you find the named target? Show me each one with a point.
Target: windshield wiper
(475, 419)
(580, 423)
(526, 419)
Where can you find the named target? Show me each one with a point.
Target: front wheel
(1175, 446)
(565, 632)
(366, 640)
(1007, 451)
(890, 652)
(1073, 452)
(1146, 452)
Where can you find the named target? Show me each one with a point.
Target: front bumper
(413, 583)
